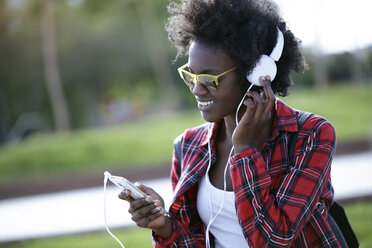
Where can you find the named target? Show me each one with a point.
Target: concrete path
(82, 210)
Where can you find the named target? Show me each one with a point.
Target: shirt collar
(285, 117)
(210, 136)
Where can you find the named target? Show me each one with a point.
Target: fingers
(138, 209)
(260, 105)
(147, 190)
(125, 195)
(145, 210)
(140, 203)
(144, 222)
(269, 93)
(266, 84)
(250, 110)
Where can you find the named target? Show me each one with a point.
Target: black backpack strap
(302, 117)
(337, 212)
(337, 218)
(337, 231)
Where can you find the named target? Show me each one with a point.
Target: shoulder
(314, 122)
(194, 135)
(317, 129)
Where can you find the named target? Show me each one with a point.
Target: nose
(198, 89)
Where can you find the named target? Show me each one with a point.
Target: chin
(209, 117)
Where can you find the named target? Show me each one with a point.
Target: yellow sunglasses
(208, 81)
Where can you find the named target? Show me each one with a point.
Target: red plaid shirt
(280, 202)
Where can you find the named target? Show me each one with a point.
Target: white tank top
(225, 228)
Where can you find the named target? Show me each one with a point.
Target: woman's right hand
(255, 125)
(141, 211)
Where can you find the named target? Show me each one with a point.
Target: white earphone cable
(240, 104)
(104, 212)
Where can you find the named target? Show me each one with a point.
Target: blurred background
(91, 85)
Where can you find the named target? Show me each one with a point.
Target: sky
(329, 25)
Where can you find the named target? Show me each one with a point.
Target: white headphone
(266, 64)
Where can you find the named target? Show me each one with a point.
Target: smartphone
(123, 183)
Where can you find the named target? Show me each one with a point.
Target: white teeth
(205, 103)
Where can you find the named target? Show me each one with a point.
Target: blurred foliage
(307, 78)
(101, 51)
(103, 54)
(352, 67)
(341, 67)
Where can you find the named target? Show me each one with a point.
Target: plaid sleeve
(187, 228)
(182, 236)
(274, 218)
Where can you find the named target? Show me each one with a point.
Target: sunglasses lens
(188, 79)
(208, 82)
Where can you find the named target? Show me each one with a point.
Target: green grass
(148, 142)
(347, 108)
(360, 218)
(359, 215)
(131, 238)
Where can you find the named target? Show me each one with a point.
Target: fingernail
(157, 203)
(148, 198)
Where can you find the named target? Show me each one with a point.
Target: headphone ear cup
(265, 66)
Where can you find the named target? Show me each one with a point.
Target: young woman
(235, 184)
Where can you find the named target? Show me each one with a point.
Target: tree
(157, 53)
(341, 67)
(52, 77)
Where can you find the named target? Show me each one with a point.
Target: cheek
(233, 92)
(230, 101)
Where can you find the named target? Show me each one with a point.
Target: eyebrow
(211, 71)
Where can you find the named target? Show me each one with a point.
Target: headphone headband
(278, 49)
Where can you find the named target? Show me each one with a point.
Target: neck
(228, 128)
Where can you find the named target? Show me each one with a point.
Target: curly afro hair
(244, 28)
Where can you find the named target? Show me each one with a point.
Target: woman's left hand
(256, 123)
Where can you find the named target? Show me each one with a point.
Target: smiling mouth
(205, 104)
